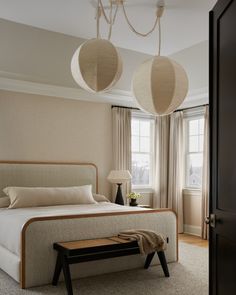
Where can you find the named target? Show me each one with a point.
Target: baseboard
(192, 230)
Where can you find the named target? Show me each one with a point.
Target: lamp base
(119, 198)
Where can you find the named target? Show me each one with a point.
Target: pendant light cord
(111, 20)
(132, 27)
(98, 15)
(159, 36)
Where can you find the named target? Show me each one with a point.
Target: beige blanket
(148, 241)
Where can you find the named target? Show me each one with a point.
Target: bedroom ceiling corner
(76, 18)
(70, 26)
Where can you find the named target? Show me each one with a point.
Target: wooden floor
(193, 240)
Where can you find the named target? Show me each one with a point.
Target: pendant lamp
(160, 85)
(96, 65)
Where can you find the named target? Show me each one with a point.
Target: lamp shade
(160, 85)
(96, 65)
(119, 176)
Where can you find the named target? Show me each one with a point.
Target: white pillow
(4, 202)
(100, 198)
(21, 197)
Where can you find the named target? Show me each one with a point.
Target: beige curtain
(121, 144)
(205, 175)
(169, 146)
(162, 132)
(176, 166)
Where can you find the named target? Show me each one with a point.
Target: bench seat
(96, 249)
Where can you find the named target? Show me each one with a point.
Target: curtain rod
(189, 108)
(121, 107)
(137, 109)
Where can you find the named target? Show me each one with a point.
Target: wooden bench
(88, 250)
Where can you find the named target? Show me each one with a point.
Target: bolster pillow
(22, 197)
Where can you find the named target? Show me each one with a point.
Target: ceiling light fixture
(159, 85)
(96, 65)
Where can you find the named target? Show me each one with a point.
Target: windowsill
(192, 191)
(143, 190)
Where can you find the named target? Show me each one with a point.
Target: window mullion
(192, 159)
(142, 161)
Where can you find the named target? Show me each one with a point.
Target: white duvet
(13, 220)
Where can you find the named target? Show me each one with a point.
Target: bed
(27, 234)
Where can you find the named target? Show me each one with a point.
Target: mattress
(13, 220)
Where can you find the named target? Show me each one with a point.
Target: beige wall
(192, 212)
(37, 55)
(34, 127)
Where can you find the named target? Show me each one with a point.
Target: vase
(133, 202)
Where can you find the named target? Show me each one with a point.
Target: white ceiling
(184, 23)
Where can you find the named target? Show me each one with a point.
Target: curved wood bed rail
(35, 219)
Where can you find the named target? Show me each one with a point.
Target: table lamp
(119, 177)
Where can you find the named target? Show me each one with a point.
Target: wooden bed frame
(23, 234)
(98, 215)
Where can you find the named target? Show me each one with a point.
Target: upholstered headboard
(45, 174)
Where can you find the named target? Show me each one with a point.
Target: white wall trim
(198, 93)
(192, 192)
(196, 97)
(20, 83)
(192, 230)
(115, 96)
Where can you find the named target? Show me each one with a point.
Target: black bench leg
(149, 260)
(57, 271)
(162, 259)
(66, 271)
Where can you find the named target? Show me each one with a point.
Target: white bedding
(12, 220)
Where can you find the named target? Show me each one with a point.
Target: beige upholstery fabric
(10, 263)
(100, 198)
(22, 197)
(47, 175)
(96, 65)
(40, 251)
(18, 217)
(4, 202)
(40, 237)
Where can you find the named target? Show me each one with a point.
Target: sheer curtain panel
(176, 166)
(161, 143)
(121, 144)
(169, 163)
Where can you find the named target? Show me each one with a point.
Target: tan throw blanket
(148, 241)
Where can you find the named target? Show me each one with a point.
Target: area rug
(189, 276)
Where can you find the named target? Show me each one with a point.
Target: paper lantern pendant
(96, 65)
(160, 85)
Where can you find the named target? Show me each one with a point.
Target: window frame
(192, 114)
(145, 117)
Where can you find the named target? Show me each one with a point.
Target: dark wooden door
(223, 148)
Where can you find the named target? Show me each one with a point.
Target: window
(142, 151)
(194, 131)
